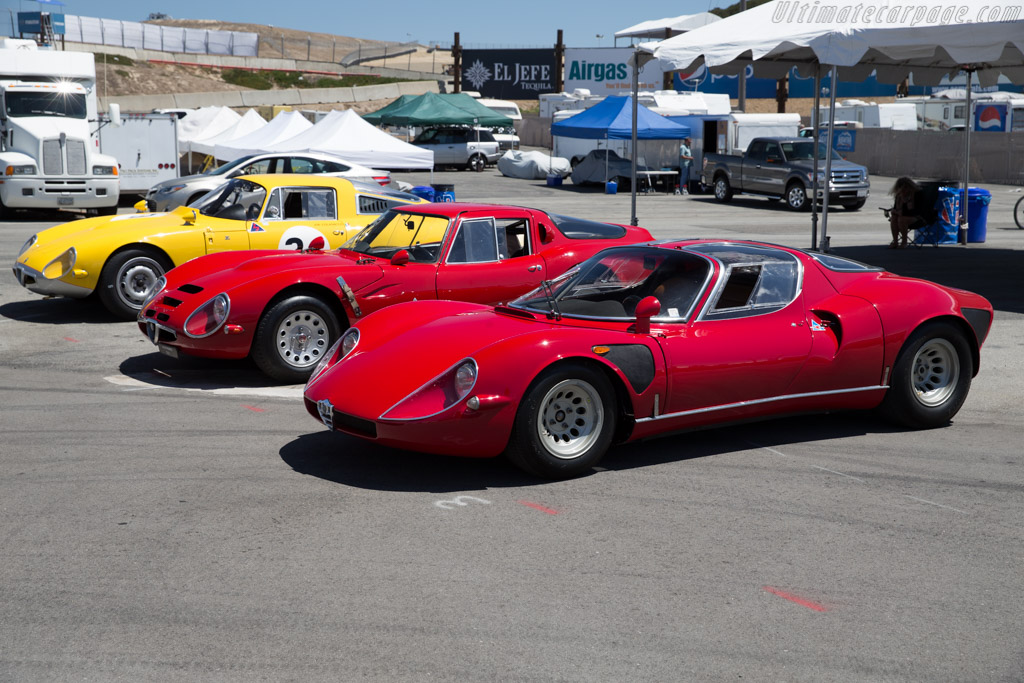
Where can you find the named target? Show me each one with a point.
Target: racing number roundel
(299, 237)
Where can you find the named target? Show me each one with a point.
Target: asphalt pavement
(187, 520)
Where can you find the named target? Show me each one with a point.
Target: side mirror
(400, 258)
(141, 206)
(545, 234)
(114, 110)
(648, 307)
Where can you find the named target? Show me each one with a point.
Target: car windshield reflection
(236, 200)
(611, 284)
(419, 234)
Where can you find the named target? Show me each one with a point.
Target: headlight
(341, 348)
(60, 266)
(208, 318)
(158, 287)
(24, 169)
(437, 395)
(104, 170)
(28, 244)
(172, 188)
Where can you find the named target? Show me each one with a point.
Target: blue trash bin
(444, 192)
(978, 199)
(423, 192)
(611, 187)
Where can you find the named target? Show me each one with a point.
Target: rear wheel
(1018, 213)
(565, 422)
(723, 191)
(127, 278)
(293, 336)
(931, 377)
(476, 163)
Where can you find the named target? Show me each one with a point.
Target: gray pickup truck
(781, 168)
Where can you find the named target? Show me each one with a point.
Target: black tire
(855, 206)
(1018, 213)
(127, 278)
(292, 337)
(723, 191)
(544, 442)
(796, 197)
(107, 210)
(931, 377)
(5, 213)
(476, 163)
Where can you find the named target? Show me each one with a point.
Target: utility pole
(457, 63)
(742, 85)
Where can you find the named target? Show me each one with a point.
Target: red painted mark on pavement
(254, 409)
(70, 339)
(792, 598)
(538, 506)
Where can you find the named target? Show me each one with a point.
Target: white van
(505, 135)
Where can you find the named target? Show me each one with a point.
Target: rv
(895, 115)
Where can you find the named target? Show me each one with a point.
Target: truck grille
(53, 159)
(846, 177)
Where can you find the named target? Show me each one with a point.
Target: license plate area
(168, 350)
(65, 201)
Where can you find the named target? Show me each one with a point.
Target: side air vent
(190, 289)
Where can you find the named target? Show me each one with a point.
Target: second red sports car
(286, 309)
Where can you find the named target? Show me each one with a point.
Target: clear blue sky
(481, 23)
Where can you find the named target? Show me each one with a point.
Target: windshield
(49, 103)
(236, 199)
(230, 166)
(804, 150)
(612, 283)
(419, 234)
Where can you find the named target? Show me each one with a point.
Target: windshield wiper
(545, 286)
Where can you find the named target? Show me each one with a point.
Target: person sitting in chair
(904, 215)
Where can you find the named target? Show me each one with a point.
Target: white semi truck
(48, 157)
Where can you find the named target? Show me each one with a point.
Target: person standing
(685, 161)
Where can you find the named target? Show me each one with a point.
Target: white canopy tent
(666, 28)
(346, 134)
(203, 123)
(285, 125)
(250, 121)
(929, 39)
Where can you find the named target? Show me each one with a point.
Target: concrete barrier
(228, 98)
(325, 95)
(270, 98)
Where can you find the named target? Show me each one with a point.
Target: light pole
(599, 37)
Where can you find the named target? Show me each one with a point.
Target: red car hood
(225, 270)
(403, 347)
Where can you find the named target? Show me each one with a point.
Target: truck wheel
(127, 278)
(4, 213)
(796, 197)
(476, 163)
(107, 210)
(723, 191)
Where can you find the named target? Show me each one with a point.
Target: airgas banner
(606, 71)
(509, 74)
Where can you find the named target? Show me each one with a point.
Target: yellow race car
(122, 257)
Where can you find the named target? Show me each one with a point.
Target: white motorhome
(47, 156)
(895, 115)
(146, 149)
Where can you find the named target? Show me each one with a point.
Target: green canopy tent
(431, 109)
(375, 117)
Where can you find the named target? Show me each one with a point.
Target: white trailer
(895, 115)
(48, 159)
(146, 149)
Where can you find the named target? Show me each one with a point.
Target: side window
(513, 237)
(321, 166)
(273, 210)
(307, 203)
(261, 166)
(300, 165)
(756, 290)
(756, 150)
(475, 242)
(739, 288)
(772, 151)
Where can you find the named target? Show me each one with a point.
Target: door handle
(533, 269)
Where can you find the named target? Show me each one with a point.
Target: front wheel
(476, 163)
(931, 377)
(127, 279)
(1018, 213)
(796, 197)
(565, 422)
(723, 191)
(293, 336)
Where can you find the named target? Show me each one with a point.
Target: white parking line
(293, 392)
(940, 505)
(848, 476)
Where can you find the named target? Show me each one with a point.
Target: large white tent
(346, 134)
(929, 39)
(666, 28)
(202, 123)
(285, 125)
(250, 121)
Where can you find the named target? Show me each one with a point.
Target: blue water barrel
(423, 192)
(444, 192)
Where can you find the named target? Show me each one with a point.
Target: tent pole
(632, 180)
(962, 233)
(816, 125)
(833, 81)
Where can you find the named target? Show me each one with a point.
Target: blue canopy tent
(612, 119)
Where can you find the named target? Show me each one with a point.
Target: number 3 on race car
(299, 237)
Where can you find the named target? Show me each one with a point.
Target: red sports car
(648, 339)
(288, 308)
